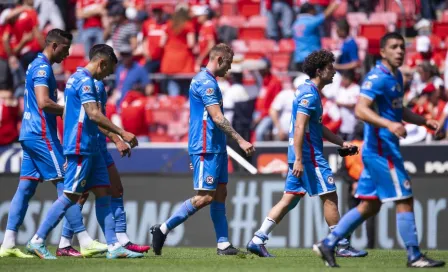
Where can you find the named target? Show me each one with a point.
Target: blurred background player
(42, 151)
(86, 168)
(384, 177)
(116, 188)
(208, 153)
(309, 172)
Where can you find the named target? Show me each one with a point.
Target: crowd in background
(161, 44)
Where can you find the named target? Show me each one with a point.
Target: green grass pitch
(205, 259)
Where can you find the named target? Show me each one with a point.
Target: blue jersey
(306, 35)
(102, 98)
(36, 123)
(204, 135)
(80, 133)
(307, 101)
(386, 91)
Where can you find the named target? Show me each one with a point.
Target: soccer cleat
(326, 253)
(14, 252)
(122, 252)
(93, 249)
(158, 239)
(230, 250)
(425, 262)
(40, 250)
(344, 249)
(259, 250)
(136, 248)
(68, 252)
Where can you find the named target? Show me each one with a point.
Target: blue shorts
(209, 170)
(107, 158)
(383, 178)
(84, 173)
(315, 180)
(43, 160)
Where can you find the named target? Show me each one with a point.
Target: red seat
(257, 21)
(329, 43)
(235, 21)
(373, 33)
(440, 29)
(239, 46)
(260, 48)
(341, 11)
(228, 8)
(388, 18)
(280, 61)
(251, 33)
(445, 16)
(249, 8)
(356, 18)
(362, 43)
(287, 45)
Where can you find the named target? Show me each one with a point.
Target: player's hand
(432, 124)
(130, 139)
(123, 148)
(397, 129)
(347, 145)
(247, 147)
(297, 169)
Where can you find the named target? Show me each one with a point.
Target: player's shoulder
(305, 90)
(373, 80)
(98, 84)
(203, 81)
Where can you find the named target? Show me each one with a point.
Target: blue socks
(408, 232)
(119, 214)
(218, 215)
(348, 223)
(54, 216)
(181, 215)
(73, 216)
(19, 204)
(106, 219)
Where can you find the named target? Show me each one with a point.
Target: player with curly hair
(309, 171)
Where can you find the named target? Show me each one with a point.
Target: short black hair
(317, 60)
(343, 25)
(350, 74)
(102, 50)
(307, 8)
(389, 36)
(58, 35)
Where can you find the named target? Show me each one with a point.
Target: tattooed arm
(222, 123)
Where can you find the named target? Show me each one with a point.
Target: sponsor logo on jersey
(304, 102)
(209, 91)
(86, 89)
(330, 180)
(83, 183)
(367, 85)
(41, 73)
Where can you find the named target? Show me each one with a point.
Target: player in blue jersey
(207, 148)
(384, 177)
(309, 171)
(42, 151)
(86, 168)
(116, 186)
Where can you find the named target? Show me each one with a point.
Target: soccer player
(42, 151)
(309, 171)
(384, 177)
(116, 188)
(86, 168)
(207, 147)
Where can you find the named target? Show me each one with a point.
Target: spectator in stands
(133, 113)
(271, 87)
(128, 74)
(351, 173)
(306, 32)
(429, 8)
(178, 42)
(331, 115)
(280, 113)
(348, 58)
(207, 35)
(425, 53)
(280, 16)
(9, 116)
(49, 15)
(153, 29)
(346, 100)
(5, 72)
(122, 32)
(90, 13)
(24, 31)
(366, 6)
(426, 75)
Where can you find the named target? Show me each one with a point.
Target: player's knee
(201, 201)
(73, 197)
(27, 188)
(82, 200)
(405, 205)
(370, 207)
(221, 193)
(116, 191)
